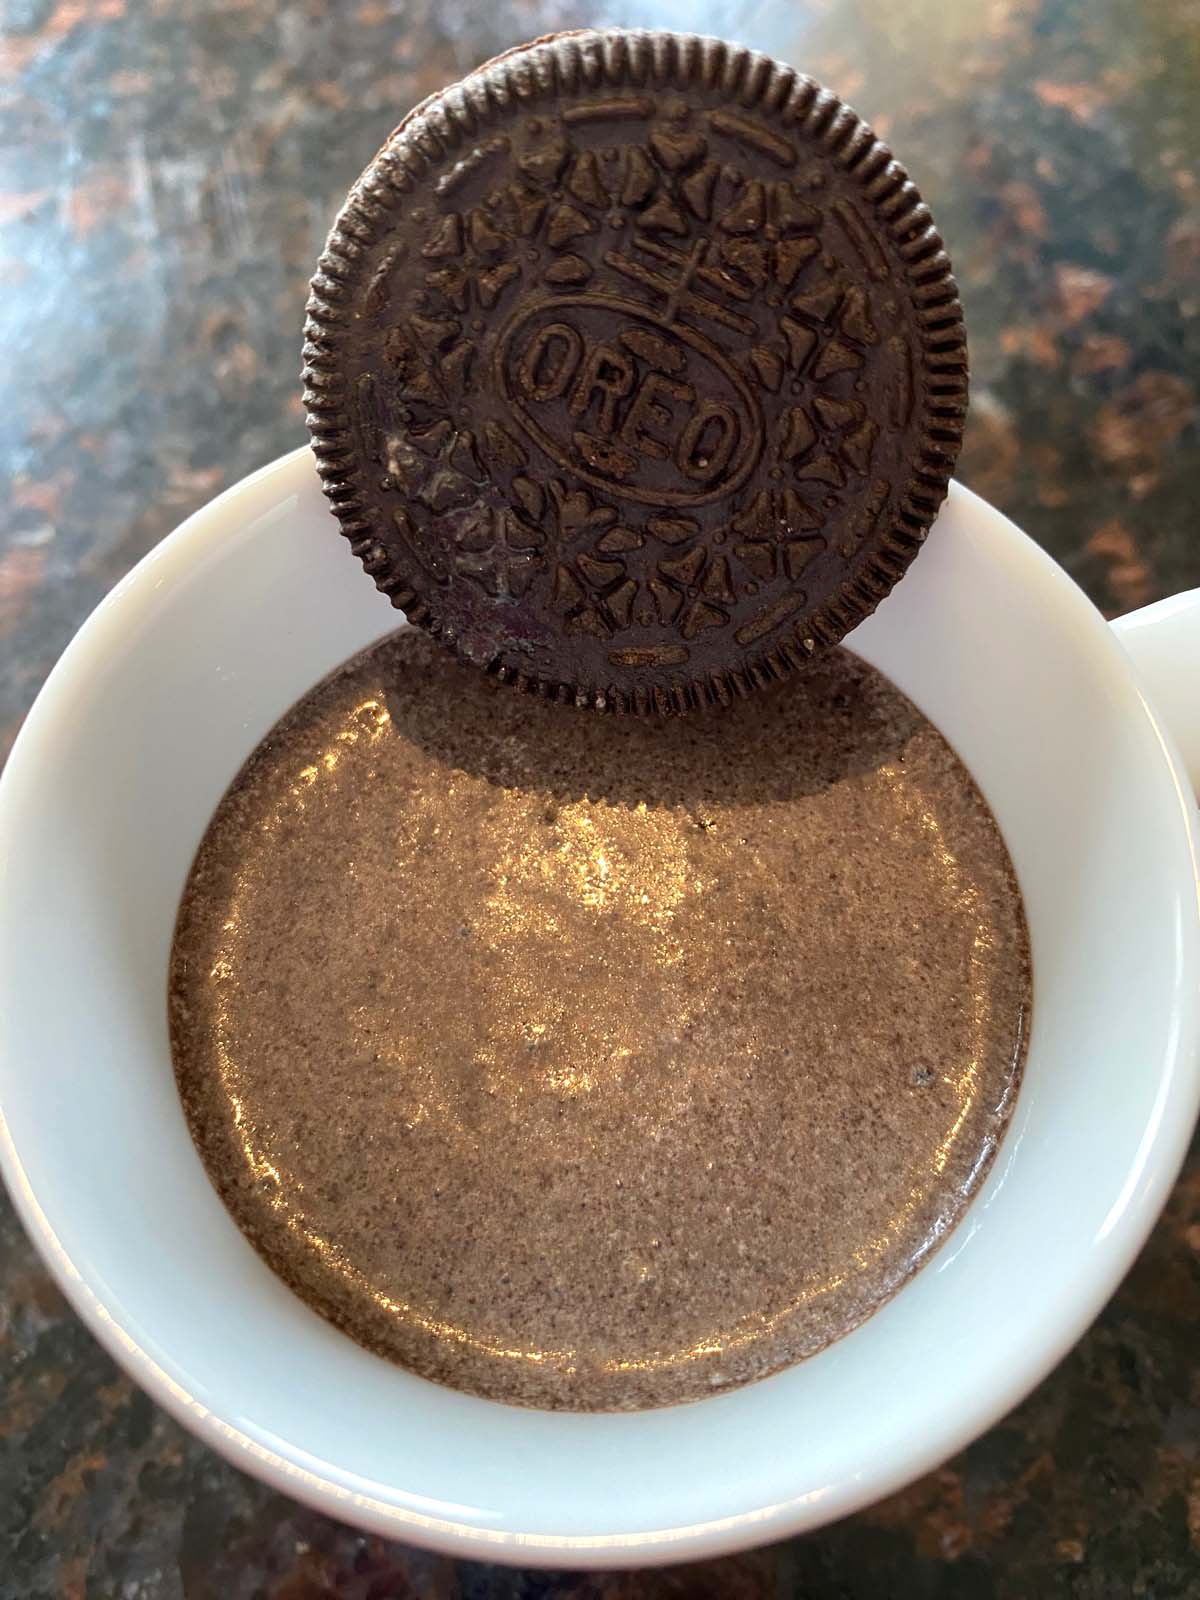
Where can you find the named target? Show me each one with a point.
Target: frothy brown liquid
(594, 1063)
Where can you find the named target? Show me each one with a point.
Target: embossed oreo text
(626, 403)
(637, 372)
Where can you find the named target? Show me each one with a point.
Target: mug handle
(1163, 641)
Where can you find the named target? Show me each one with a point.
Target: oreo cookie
(635, 369)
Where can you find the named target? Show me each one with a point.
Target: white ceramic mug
(141, 726)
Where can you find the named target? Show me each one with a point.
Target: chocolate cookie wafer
(635, 369)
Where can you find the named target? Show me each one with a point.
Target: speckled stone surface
(169, 174)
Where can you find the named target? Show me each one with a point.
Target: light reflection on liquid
(580, 894)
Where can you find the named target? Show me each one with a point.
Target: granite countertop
(171, 167)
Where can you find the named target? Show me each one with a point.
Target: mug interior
(143, 724)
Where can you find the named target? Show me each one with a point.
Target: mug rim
(1166, 1143)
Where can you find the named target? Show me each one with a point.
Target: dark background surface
(170, 169)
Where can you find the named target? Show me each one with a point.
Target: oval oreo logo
(629, 403)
